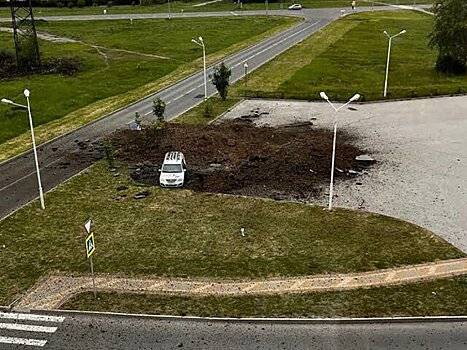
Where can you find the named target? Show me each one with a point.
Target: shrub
(158, 109)
(70, 4)
(208, 109)
(81, 3)
(450, 65)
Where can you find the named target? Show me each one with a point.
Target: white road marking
(27, 328)
(31, 317)
(22, 341)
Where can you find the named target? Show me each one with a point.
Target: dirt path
(51, 292)
(63, 40)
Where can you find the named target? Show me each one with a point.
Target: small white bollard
(242, 231)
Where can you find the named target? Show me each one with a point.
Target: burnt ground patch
(288, 162)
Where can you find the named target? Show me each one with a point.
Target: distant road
(66, 156)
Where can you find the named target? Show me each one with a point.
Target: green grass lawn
(178, 6)
(104, 85)
(180, 233)
(349, 56)
(440, 297)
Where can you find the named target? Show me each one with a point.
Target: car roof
(173, 157)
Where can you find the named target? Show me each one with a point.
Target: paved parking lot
(421, 150)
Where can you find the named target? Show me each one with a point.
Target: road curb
(282, 320)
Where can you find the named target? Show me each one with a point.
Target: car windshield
(171, 168)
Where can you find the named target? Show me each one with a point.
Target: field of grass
(180, 233)
(182, 6)
(440, 297)
(349, 56)
(106, 84)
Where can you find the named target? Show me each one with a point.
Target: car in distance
(295, 7)
(172, 172)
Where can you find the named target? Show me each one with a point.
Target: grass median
(181, 233)
(111, 79)
(349, 56)
(434, 298)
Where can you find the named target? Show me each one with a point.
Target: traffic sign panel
(90, 246)
(87, 226)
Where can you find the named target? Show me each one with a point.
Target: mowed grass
(180, 233)
(187, 6)
(127, 75)
(434, 298)
(349, 56)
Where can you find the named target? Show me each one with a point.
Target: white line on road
(31, 317)
(22, 341)
(27, 328)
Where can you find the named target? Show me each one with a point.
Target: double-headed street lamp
(28, 107)
(325, 97)
(200, 42)
(387, 62)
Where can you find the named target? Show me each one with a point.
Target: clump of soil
(236, 157)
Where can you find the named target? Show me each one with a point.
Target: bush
(208, 109)
(63, 65)
(81, 3)
(450, 65)
(70, 4)
(158, 109)
(59, 4)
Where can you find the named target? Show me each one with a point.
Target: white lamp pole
(28, 107)
(168, 4)
(387, 62)
(200, 42)
(325, 97)
(245, 68)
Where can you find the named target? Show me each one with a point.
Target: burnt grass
(289, 162)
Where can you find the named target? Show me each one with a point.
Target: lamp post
(28, 107)
(168, 4)
(325, 97)
(387, 62)
(200, 42)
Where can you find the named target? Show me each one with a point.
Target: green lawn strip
(180, 233)
(182, 6)
(434, 298)
(198, 114)
(352, 59)
(61, 104)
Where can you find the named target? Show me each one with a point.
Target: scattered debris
(278, 162)
(365, 159)
(141, 195)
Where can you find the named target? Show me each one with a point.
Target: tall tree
(221, 79)
(449, 35)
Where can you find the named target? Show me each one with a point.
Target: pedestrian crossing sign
(90, 247)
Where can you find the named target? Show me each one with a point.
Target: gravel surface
(421, 151)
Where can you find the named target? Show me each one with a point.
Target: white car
(173, 170)
(295, 7)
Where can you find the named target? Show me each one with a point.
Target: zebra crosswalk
(26, 329)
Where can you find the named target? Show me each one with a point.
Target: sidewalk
(51, 292)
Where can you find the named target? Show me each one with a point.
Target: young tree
(449, 35)
(221, 78)
(158, 109)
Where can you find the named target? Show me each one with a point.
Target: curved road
(66, 156)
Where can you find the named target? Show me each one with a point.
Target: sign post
(90, 248)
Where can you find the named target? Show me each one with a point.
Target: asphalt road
(81, 331)
(66, 156)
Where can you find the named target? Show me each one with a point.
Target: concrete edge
(287, 320)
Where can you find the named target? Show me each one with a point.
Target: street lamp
(387, 62)
(28, 107)
(200, 42)
(168, 4)
(325, 97)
